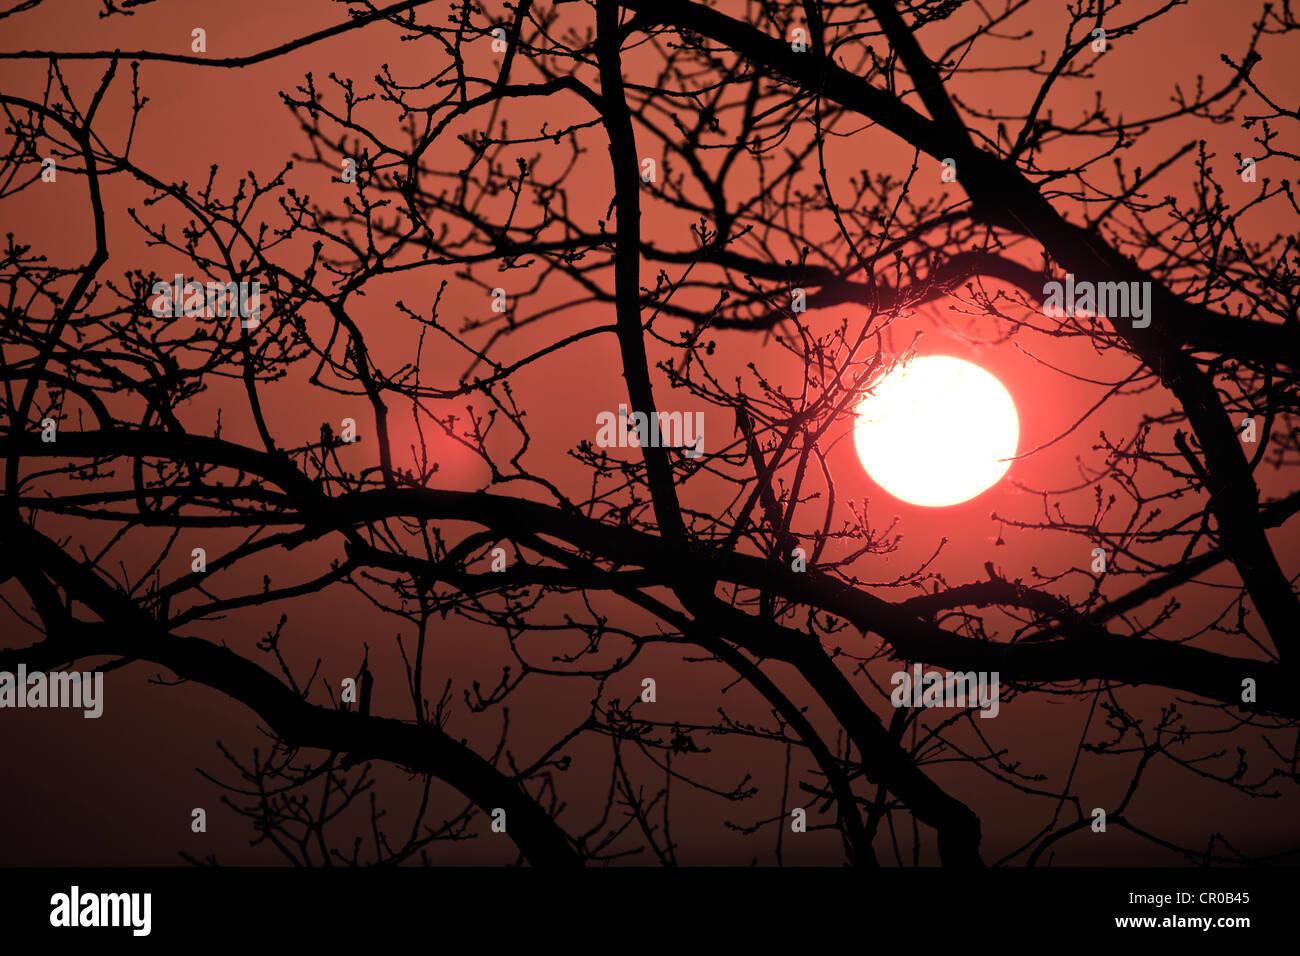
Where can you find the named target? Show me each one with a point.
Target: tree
(678, 189)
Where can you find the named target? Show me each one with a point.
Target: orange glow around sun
(937, 431)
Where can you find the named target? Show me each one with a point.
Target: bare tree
(681, 185)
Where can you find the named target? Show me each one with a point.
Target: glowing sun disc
(937, 431)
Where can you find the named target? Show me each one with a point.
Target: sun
(937, 431)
